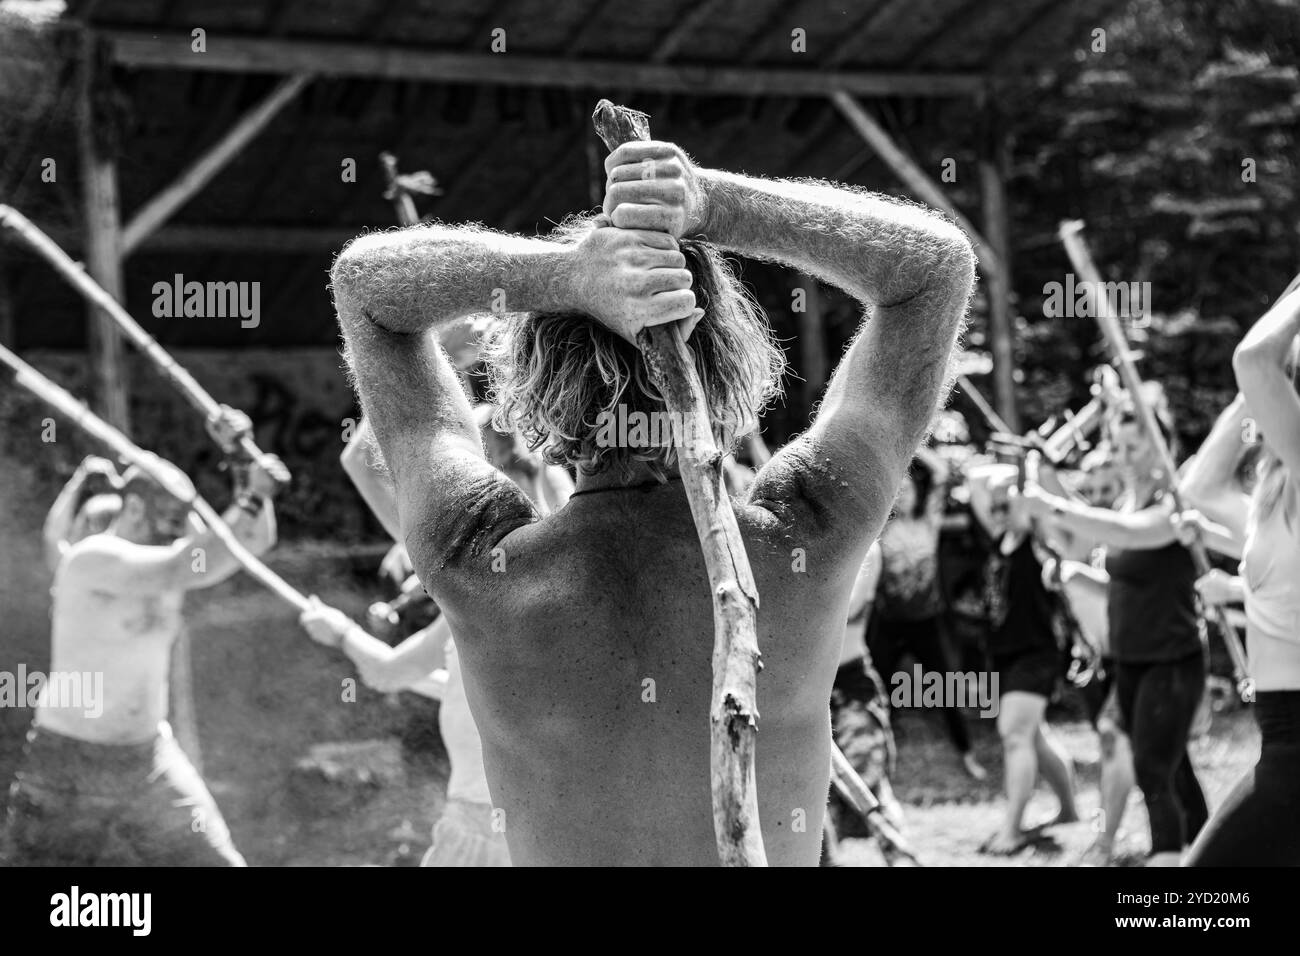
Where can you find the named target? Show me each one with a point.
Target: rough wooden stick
(858, 795)
(1071, 234)
(401, 187)
(81, 416)
(80, 280)
(736, 659)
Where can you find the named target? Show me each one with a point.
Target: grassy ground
(949, 815)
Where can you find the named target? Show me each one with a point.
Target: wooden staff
(80, 280)
(1075, 247)
(80, 415)
(989, 414)
(736, 659)
(858, 795)
(401, 186)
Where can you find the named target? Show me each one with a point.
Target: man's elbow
(940, 268)
(356, 260)
(954, 257)
(357, 278)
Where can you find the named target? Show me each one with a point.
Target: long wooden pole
(103, 233)
(1071, 233)
(81, 416)
(736, 658)
(1001, 326)
(858, 795)
(397, 193)
(98, 296)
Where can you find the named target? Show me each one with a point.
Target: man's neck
(633, 473)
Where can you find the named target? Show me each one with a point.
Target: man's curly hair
(555, 375)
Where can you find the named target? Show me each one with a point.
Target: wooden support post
(812, 339)
(1001, 331)
(8, 327)
(96, 137)
(197, 175)
(912, 175)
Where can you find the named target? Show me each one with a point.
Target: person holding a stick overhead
(109, 785)
(585, 636)
(1157, 640)
(1258, 824)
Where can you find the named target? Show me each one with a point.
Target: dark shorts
(1033, 671)
(76, 803)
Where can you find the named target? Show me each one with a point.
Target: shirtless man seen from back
(561, 621)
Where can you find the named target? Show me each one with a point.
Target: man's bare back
(587, 636)
(590, 681)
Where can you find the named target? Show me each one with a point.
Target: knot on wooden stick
(738, 718)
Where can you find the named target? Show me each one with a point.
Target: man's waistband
(51, 746)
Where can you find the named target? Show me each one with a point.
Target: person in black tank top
(1025, 656)
(1156, 638)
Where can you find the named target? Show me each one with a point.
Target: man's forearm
(58, 523)
(423, 277)
(880, 250)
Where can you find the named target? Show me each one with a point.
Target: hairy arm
(393, 292)
(914, 271)
(1260, 365)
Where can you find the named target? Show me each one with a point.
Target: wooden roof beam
(913, 176)
(211, 238)
(197, 175)
(233, 54)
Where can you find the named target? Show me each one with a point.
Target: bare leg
(1019, 715)
(1117, 782)
(1056, 770)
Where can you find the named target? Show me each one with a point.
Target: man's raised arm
(914, 270)
(395, 290)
